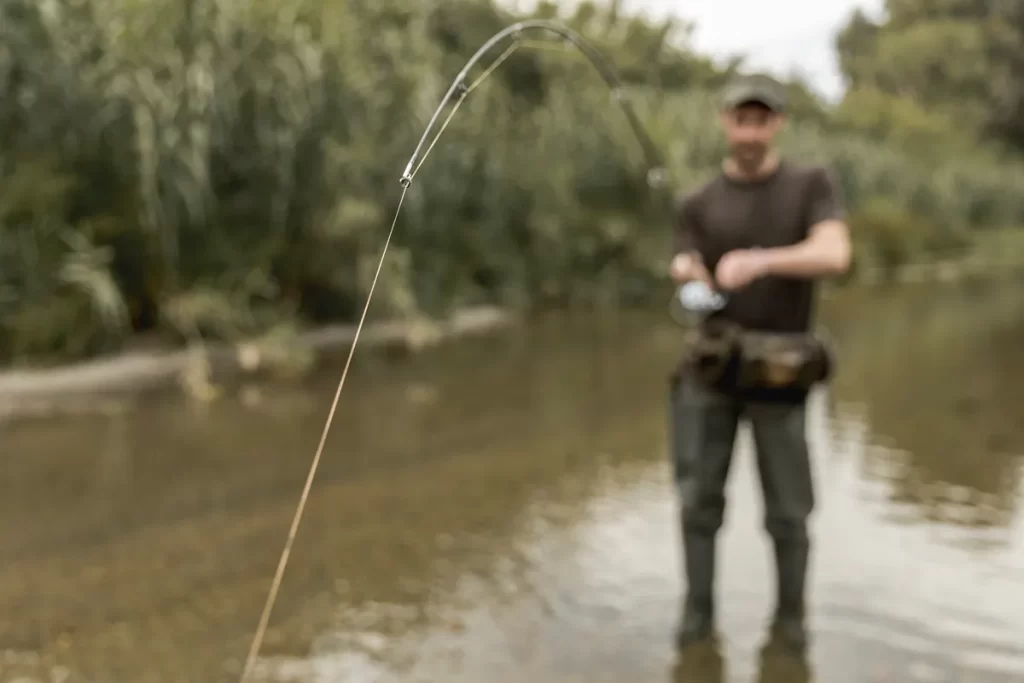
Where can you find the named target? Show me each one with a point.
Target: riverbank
(101, 385)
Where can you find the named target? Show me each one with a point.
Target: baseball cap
(755, 88)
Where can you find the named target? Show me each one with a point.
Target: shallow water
(501, 511)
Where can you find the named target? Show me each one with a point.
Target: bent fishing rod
(656, 176)
(656, 179)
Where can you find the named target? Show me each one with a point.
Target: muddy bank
(101, 385)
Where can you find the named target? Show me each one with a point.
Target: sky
(779, 36)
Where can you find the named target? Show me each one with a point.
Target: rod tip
(405, 180)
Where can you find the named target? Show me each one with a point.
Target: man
(762, 231)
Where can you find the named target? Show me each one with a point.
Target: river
(499, 510)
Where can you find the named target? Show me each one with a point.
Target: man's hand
(739, 268)
(687, 268)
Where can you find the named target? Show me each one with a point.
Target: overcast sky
(780, 36)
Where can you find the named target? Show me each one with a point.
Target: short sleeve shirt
(776, 211)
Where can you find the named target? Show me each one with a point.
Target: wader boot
(698, 619)
(791, 557)
(703, 432)
(784, 465)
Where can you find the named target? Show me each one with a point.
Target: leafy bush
(205, 168)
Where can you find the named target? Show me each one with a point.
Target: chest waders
(727, 375)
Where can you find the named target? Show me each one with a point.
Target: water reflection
(703, 664)
(501, 511)
(946, 401)
(776, 666)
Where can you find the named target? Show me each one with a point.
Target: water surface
(500, 511)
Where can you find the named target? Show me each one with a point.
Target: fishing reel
(693, 302)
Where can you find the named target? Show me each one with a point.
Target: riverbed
(499, 510)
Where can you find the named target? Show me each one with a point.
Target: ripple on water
(600, 595)
(529, 533)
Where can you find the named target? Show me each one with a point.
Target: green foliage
(212, 169)
(959, 59)
(888, 236)
(916, 130)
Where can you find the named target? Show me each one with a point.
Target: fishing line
(655, 177)
(275, 586)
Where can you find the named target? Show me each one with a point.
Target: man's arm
(826, 251)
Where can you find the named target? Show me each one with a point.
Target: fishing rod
(657, 178)
(656, 173)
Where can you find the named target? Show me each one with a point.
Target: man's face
(750, 130)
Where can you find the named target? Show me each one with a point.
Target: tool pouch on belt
(709, 353)
(782, 361)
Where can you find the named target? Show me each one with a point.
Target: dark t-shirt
(779, 210)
